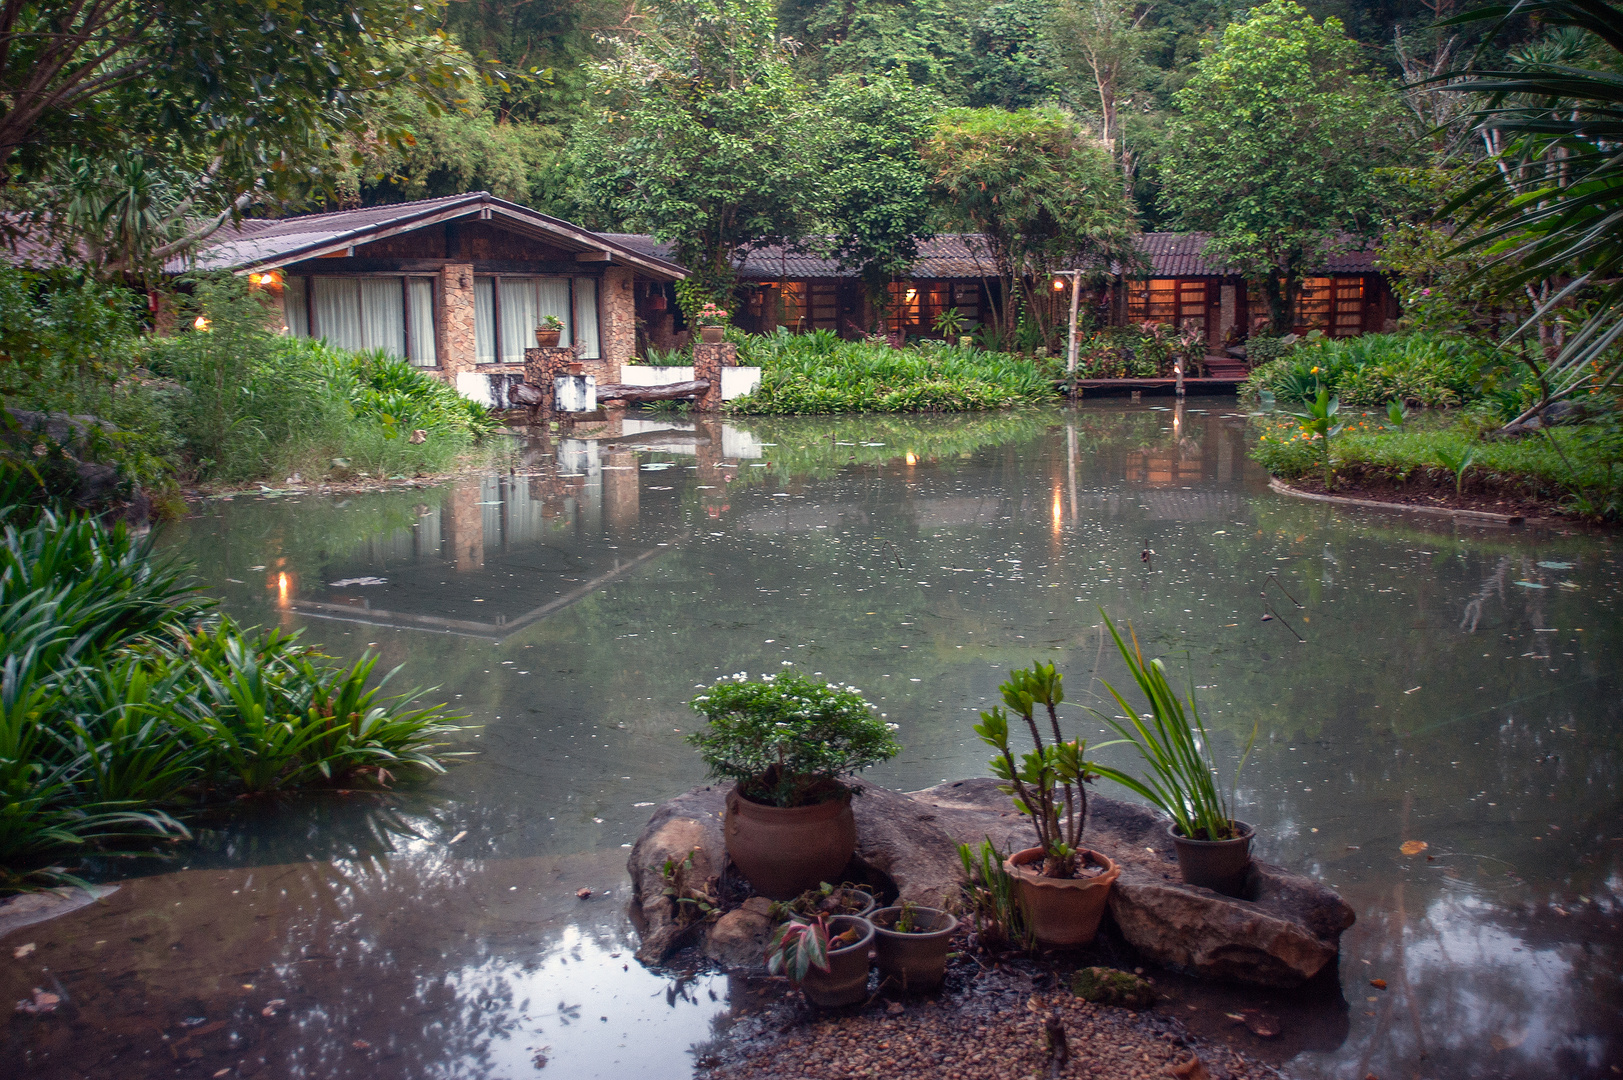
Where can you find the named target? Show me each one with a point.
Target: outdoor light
(912, 459)
(200, 323)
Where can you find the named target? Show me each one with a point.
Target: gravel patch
(993, 1024)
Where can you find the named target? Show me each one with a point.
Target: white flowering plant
(787, 739)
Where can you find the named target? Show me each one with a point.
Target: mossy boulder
(1107, 986)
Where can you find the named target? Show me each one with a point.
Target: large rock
(1283, 935)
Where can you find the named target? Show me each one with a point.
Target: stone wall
(617, 324)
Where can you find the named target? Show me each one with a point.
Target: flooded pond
(1420, 680)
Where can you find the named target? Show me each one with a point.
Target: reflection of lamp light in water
(912, 459)
(281, 590)
(1059, 510)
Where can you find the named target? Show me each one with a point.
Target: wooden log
(667, 392)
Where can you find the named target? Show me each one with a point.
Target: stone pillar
(454, 334)
(541, 366)
(708, 360)
(617, 335)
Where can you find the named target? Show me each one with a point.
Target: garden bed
(1499, 496)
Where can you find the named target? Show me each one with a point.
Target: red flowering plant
(711, 315)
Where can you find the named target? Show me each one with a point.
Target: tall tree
(226, 97)
(1103, 44)
(1044, 194)
(875, 184)
(703, 137)
(1277, 148)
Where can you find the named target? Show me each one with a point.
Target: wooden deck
(1157, 386)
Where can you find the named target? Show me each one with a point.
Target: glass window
(586, 317)
(295, 311)
(360, 313)
(420, 310)
(484, 320)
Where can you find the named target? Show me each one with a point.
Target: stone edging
(1276, 484)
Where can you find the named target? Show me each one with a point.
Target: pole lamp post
(1071, 342)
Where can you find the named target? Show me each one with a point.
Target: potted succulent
(1062, 886)
(786, 741)
(548, 331)
(912, 942)
(826, 900)
(827, 958)
(712, 322)
(1214, 849)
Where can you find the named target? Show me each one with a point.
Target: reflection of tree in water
(1493, 586)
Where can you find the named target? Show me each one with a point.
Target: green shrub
(817, 372)
(1426, 369)
(124, 702)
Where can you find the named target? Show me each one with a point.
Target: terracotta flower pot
(547, 339)
(1219, 865)
(913, 962)
(1063, 911)
(846, 981)
(785, 851)
(712, 335)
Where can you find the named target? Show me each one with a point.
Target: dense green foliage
(788, 739)
(819, 373)
(1430, 370)
(232, 403)
(1277, 147)
(124, 704)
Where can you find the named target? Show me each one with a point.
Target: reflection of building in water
(956, 512)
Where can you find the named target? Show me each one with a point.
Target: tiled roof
(1179, 255)
(258, 242)
(965, 255)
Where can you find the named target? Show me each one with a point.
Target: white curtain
(586, 317)
(295, 312)
(553, 297)
(383, 314)
(484, 320)
(420, 292)
(520, 314)
(337, 315)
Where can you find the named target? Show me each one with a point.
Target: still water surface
(1456, 685)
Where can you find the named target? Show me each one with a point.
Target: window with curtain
(420, 315)
(586, 317)
(295, 312)
(484, 320)
(365, 313)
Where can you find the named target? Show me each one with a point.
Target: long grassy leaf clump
(817, 372)
(126, 703)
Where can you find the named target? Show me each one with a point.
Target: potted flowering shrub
(1214, 849)
(712, 322)
(548, 331)
(1062, 885)
(786, 741)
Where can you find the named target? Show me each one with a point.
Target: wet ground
(1416, 681)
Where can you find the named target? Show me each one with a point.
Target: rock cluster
(1286, 931)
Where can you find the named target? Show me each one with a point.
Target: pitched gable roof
(261, 244)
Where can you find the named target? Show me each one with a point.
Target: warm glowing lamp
(200, 323)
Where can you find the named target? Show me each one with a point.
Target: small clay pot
(784, 851)
(1218, 865)
(712, 335)
(1062, 911)
(915, 962)
(846, 981)
(547, 339)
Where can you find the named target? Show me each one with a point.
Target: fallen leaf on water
(1414, 847)
(40, 1004)
(222, 1072)
(271, 1006)
(583, 894)
(457, 837)
(1379, 984)
(1236, 1017)
(1262, 1024)
(22, 950)
(361, 1044)
(1500, 1043)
